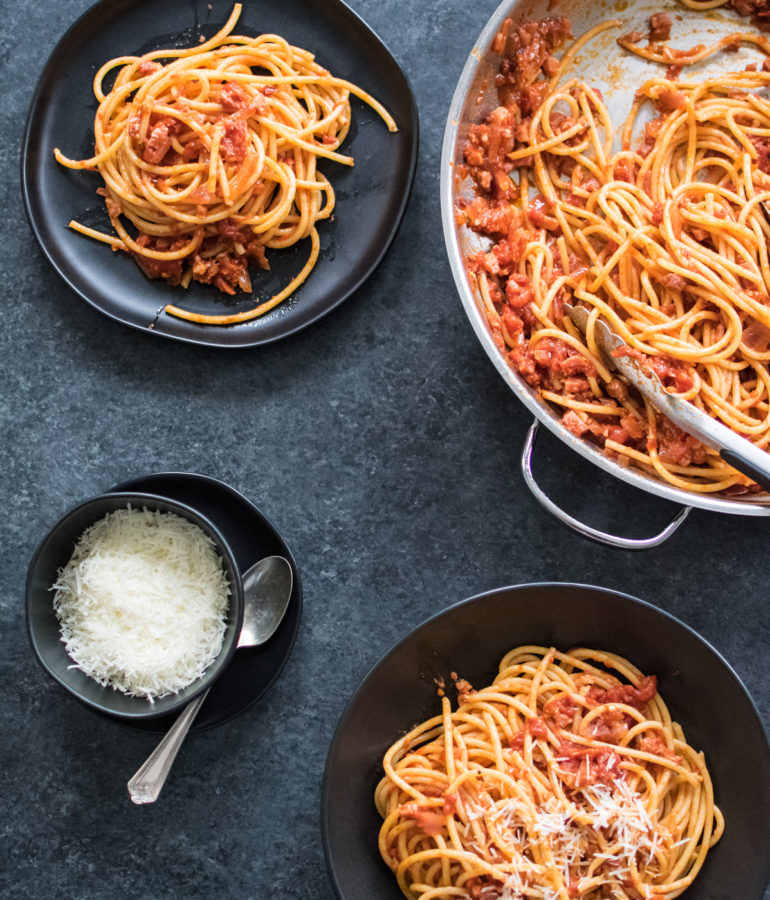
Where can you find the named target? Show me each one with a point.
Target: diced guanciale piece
(428, 818)
(168, 269)
(638, 697)
(660, 27)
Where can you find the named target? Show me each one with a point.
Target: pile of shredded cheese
(142, 603)
(614, 814)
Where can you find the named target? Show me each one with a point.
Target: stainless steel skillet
(617, 74)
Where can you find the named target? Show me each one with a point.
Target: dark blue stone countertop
(382, 444)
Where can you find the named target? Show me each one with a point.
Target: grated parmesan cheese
(142, 603)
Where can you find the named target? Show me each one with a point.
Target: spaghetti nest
(564, 778)
(210, 154)
(662, 234)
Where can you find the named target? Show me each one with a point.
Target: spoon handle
(146, 785)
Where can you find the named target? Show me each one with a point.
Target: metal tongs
(735, 450)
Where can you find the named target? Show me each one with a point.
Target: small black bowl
(701, 690)
(55, 551)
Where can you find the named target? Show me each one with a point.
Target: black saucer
(251, 537)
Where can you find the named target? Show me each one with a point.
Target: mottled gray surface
(382, 444)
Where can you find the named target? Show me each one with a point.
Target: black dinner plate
(251, 537)
(371, 197)
(702, 692)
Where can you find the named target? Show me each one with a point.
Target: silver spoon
(267, 587)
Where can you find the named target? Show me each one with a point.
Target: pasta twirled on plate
(209, 156)
(564, 778)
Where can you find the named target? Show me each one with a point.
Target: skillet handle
(575, 524)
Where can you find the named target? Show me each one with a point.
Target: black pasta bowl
(53, 553)
(470, 638)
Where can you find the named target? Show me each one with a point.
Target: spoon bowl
(267, 587)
